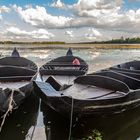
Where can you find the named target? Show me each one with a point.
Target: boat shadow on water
(56, 126)
(17, 125)
(124, 126)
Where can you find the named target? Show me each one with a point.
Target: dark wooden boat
(106, 92)
(63, 69)
(131, 68)
(16, 74)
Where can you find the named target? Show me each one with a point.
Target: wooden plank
(86, 92)
(61, 79)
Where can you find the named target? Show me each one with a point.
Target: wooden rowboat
(131, 68)
(16, 75)
(105, 92)
(63, 69)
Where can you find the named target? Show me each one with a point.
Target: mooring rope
(71, 118)
(10, 107)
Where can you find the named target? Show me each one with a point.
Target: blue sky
(129, 4)
(21, 2)
(69, 20)
(132, 4)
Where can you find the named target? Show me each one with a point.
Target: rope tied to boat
(10, 107)
(71, 118)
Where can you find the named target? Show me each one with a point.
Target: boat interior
(62, 79)
(101, 85)
(15, 72)
(19, 62)
(92, 87)
(96, 87)
(65, 63)
(131, 82)
(63, 70)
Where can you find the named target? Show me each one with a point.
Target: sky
(69, 20)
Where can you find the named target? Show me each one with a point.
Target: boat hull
(89, 108)
(16, 76)
(86, 108)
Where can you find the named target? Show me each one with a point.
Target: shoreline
(71, 45)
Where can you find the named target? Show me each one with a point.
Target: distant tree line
(126, 40)
(122, 40)
(116, 41)
(44, 42)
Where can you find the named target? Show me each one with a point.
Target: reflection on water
(17, 125)
(56, 126)
(124, 126)
(20, 125)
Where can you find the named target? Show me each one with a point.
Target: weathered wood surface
(62, 79)
(78, 91)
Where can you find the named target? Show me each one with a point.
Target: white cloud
(97, 13)
(69, 33)
(96, 7)
(58, 4)
(39, 17)
(36, 34)
(104, 15)
(4, 9)
(93, 34)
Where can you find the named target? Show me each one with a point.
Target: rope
(71, 118)
(48, 131)
(10, 107)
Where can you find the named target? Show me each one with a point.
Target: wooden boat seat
(63, 66)
(62, 79)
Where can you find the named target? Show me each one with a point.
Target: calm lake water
(34, 120)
